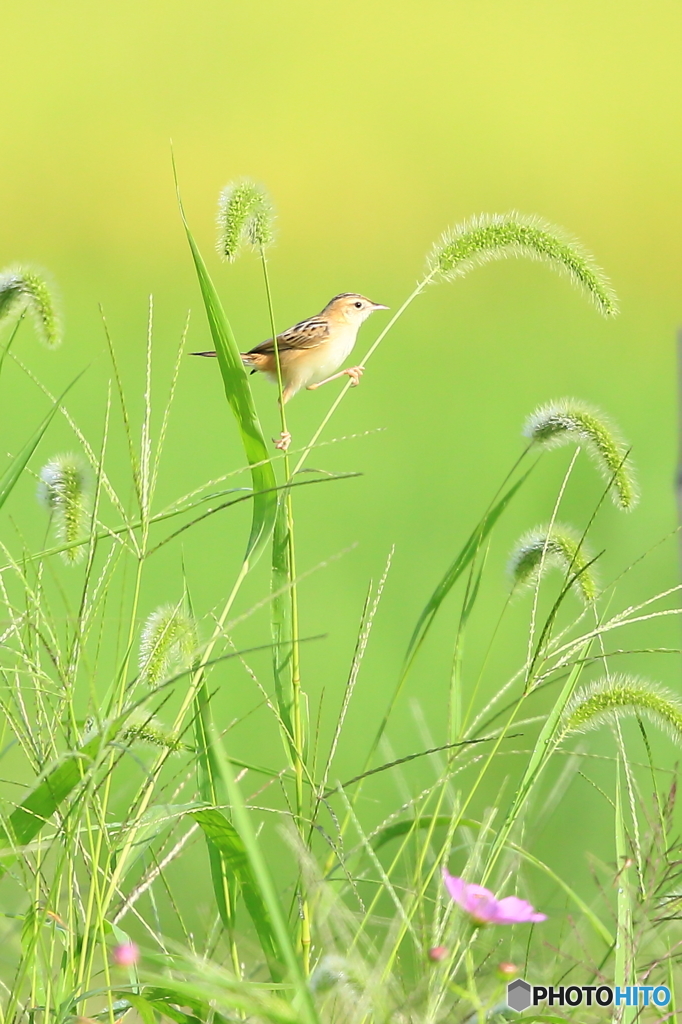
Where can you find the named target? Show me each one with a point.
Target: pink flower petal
(483, 906)
(456, 887)
(125, 955)
(512, 910)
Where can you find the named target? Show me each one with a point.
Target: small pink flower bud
(508, 970)
(125, 955)
(437, 953)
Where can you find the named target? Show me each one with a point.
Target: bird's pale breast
(324, 360)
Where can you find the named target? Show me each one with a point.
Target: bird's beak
(378, 305)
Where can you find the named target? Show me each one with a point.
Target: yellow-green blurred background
(374, 125)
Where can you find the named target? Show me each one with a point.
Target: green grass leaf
(19, 462)
(26, 821)
(225, 839)
(266, 886)
(238, 393)
(465, 556)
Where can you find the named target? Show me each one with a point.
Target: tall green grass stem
(296, 709)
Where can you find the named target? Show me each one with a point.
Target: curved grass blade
(226, 841)
(26, 820)
(265, 884)
(14, 471)
(465, 556)
(35, 811)
(240, 399)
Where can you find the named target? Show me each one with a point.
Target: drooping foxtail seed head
(568, 421)
(619, 696)
(148, 731)
(65, 490)
(542, 549)
(498, 236)
(169, 641)
(245, 215)
(23, 288)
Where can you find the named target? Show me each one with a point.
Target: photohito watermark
(521, 995)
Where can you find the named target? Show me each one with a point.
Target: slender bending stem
(339, 398)
(297, 716)
(678, 481)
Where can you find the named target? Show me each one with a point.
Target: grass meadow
(157, 869)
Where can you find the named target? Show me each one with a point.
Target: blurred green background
(374, 126)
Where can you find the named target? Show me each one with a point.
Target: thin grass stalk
(146, 792)
(262, 874)
(346, 388)
(297, 717)
(539, 758)
(536, 595)
(623, 948)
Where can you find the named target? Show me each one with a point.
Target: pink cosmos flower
(483, 906)
(125, 955)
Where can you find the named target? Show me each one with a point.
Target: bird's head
(351, 307)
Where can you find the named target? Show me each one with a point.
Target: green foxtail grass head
(569, 421)
(23, 288)
(559, 548)
(149, 732)
(65, 490)
(619, 696)
(499, 236)
(245, 215)
(169, 640)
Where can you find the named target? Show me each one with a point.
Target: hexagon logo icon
(518, 995)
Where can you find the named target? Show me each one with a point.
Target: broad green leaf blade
(26, 821)
(19, 462)
(401, 828)
(238, 392)
(465, 556)
(167, 1000)
(265, 884)
(147, 1012)
(225, 839)
(202, 994)
(225, 882)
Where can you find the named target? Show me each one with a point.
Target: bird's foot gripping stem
(355, 373)
(283, 441)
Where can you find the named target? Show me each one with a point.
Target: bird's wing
(308, 334)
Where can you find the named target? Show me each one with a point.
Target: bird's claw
(283, 441)
(355, 373)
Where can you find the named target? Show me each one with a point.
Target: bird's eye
(358, 305)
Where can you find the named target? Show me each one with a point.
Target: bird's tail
(253, 360)
(248, 358)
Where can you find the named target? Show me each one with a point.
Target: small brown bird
(311, 351)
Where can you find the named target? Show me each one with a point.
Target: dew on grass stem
(569, 421)
(245, 215)
(64, 489)
(497, 236)
(559, 548)
(23, 288)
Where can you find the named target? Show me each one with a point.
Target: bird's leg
(354, 372)
(283, 441)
